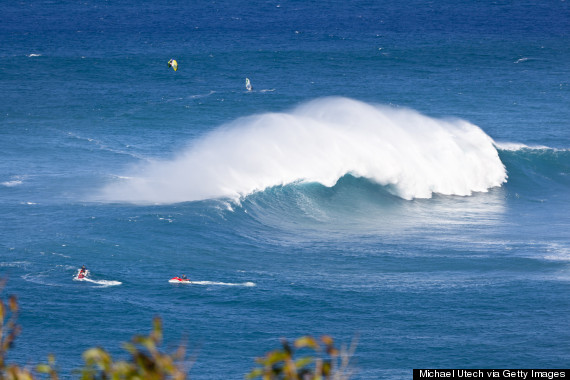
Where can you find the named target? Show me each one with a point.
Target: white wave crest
(11, 183)
(321, 141)
(514, 146)
(14, 181)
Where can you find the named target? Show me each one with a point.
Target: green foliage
(49, 368)
(147, 361)
(326, 363)
(9, 330)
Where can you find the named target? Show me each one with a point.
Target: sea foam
(11, 183)
(413, 155)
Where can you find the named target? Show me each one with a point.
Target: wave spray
(413, 155)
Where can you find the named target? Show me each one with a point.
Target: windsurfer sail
(248, 85)
(172, 63)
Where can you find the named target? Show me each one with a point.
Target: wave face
(538, 170)
(413, 155)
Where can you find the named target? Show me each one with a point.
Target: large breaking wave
(413, 155)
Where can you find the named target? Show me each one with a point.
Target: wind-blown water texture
(321, 141)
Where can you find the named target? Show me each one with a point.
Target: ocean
(399, 175)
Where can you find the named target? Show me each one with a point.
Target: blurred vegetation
(147, 361)
(9, 330)
(324, 361)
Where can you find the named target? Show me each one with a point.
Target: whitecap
(413, 155)
(514, 146)
(11, 183)
(557, 252)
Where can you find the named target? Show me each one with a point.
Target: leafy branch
(327, 362)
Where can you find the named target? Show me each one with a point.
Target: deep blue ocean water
(399, 173)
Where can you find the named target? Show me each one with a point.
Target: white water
(11, 183)
(246, 284)
(514, 146)
(103, 283)
(321, 141)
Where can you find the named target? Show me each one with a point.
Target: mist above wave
(321, 141)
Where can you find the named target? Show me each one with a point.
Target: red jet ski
(81, 274)
(179, 280)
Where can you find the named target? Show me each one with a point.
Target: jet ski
(81, 275)
(179, 280)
